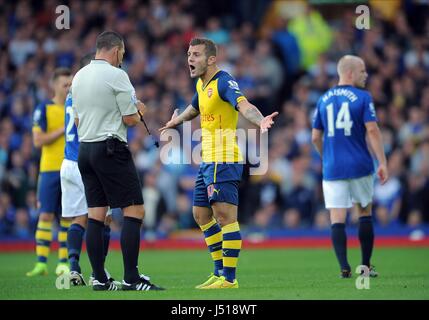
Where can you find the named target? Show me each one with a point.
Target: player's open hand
(382, 173)
(172, 123)
(267, 122)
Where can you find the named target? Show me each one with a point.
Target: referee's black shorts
(110, 178)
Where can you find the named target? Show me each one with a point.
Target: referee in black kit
(105, 104)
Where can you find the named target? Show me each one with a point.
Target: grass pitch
(274, 274)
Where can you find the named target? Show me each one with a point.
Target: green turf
(263, 274)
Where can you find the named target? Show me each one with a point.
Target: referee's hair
(109, 39)
(211, 48)
(59, 72)
(86, 59)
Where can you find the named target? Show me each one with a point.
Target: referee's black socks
(130, 245)
(339, 240)
(106, 240)
(95, 248)
(366, 238)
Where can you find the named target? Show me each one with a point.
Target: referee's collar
(99, 61)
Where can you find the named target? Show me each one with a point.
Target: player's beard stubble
(200, 70)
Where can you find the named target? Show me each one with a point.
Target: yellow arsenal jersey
(49, 117)
(217, 103)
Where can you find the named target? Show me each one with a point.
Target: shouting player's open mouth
(192, 69)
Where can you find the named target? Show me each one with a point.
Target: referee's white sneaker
(108, 286)
(109, 277)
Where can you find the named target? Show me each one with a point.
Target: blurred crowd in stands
(282, 63)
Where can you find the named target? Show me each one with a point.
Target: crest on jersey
(209, 92)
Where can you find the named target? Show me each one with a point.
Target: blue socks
(366, 238)
(339, 240)
(74, 245)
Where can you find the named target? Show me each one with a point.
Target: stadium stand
(278, 67)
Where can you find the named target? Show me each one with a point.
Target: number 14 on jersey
(343, 119)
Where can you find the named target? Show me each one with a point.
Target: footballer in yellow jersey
(48, 134)
(218, 100)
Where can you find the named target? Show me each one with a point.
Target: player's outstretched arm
(177, 119)
(251, 113)
(376, 141)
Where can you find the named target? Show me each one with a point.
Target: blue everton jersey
(342, 113)
(71, 150)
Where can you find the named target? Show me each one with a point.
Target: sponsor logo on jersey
(207, 117)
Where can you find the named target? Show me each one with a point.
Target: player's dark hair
(61, 72)
(210, 46)
(109, 39)
(86, 59)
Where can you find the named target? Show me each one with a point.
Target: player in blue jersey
(344, 117)
(73, 198)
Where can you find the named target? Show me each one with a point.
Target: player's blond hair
(348, 63)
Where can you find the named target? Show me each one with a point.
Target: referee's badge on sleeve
(134, 98)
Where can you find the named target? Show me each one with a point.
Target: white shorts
(343, 193)
(73, 200)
